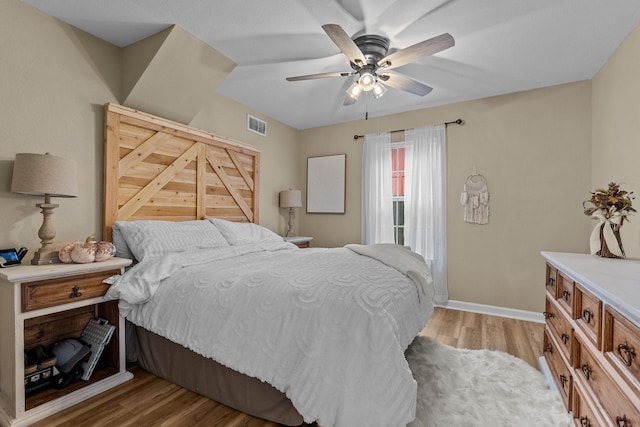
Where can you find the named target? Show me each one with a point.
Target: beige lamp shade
(290, 199)
(42, 174)
(48, 176)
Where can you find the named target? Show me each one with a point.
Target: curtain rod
(455, 122)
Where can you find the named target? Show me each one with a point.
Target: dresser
(44, 304)
(592, 337)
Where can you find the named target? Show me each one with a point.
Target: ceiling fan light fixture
(354, 90)
(367, 81)
(379, 90)
(370, 61)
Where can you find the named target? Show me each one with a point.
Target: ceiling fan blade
(318, 76)
(344, 43)
(417, 51)
(402, 82)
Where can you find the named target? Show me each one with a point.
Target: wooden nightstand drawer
(589, 315)
(622, 346)
(590, 372)
(52, 292)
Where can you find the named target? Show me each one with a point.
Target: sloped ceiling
(502, 46)
(172, 74)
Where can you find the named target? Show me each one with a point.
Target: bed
(226, 308)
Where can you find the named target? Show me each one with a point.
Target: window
(397, 184)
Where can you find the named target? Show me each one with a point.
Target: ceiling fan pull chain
(366, 106)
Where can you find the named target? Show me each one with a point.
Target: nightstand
(41, 305)
(299, 241)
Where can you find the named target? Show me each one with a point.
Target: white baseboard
(493, 310)
(544, 367)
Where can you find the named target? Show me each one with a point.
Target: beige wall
(534, 149)
(55, 81)
(616, 130)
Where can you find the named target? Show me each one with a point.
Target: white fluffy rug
(480, 388)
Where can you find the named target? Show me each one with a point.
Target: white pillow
(148, 238)
(122, 249)
(242, 233)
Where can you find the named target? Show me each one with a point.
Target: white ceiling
(502, 46)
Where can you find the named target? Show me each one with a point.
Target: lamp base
(46, 256)
(289, 223)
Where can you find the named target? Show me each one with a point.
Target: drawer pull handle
(566, 295)
(629, 353)
(621, 421)
(587, 315)
(75, 292)
(563, 381)
(586, 370)
(584, 421)
(564, 338)
(548, 348)
(551, 282)
(547, 314)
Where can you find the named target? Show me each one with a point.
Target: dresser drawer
(616, 406)
(566, 293)
(588, 314)
(552, 281)
(561, 328)
(63, 290)
(585, 413)
(559, 370)
(622, 346)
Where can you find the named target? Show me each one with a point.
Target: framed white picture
(326, 184)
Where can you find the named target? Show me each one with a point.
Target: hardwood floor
(150, 401)
(463, 329)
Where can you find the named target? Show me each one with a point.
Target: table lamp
(290, 199)
(49, 176)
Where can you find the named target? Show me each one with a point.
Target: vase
(604, 249)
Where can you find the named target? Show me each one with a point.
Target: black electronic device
(71, 353)
(10, 257)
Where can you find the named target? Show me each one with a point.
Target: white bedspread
(328, 327)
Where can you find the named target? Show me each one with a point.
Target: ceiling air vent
(256, 125)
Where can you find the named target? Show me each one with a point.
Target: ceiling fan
(371, 61)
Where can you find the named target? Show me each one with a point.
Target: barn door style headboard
(158, 169)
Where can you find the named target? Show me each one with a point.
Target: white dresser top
(615, 281)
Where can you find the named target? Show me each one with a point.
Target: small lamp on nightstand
(48, 176)
(290, 199)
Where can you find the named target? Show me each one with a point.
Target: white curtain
(425, 201)
(377, 202)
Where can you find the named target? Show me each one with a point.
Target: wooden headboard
(158, 169)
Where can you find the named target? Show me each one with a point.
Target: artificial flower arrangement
(610, 207)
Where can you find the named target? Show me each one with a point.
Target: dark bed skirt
(205, 376)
